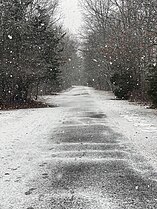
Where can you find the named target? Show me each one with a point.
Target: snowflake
(10, 37)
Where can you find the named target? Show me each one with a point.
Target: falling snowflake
(10, 37)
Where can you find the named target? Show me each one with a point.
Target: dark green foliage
(30, 48)
(124, 84)
(152, 83)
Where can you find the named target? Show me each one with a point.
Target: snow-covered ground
(25, 135)
(136, 122)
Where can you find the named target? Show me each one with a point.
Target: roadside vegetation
(120, 47)
(33, 49)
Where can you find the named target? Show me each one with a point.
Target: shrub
(152, 84)
(124, 84)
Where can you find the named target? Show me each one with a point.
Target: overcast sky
(71, 15)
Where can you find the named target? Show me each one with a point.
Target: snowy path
(24, 136)
(91, 152)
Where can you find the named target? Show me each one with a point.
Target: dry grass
(24, 105)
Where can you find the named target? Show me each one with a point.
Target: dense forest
(33, 50)
(120, 47)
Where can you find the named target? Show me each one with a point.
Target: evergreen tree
(152, 84)
(30, 48)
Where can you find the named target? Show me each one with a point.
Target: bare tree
(123, 34)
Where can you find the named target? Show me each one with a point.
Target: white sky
(71, 15)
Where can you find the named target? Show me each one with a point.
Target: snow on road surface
(26, 138)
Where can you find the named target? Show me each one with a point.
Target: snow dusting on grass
(24, 136)
(134, 121)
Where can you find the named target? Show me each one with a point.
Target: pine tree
(152, 84)
(30, 49)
